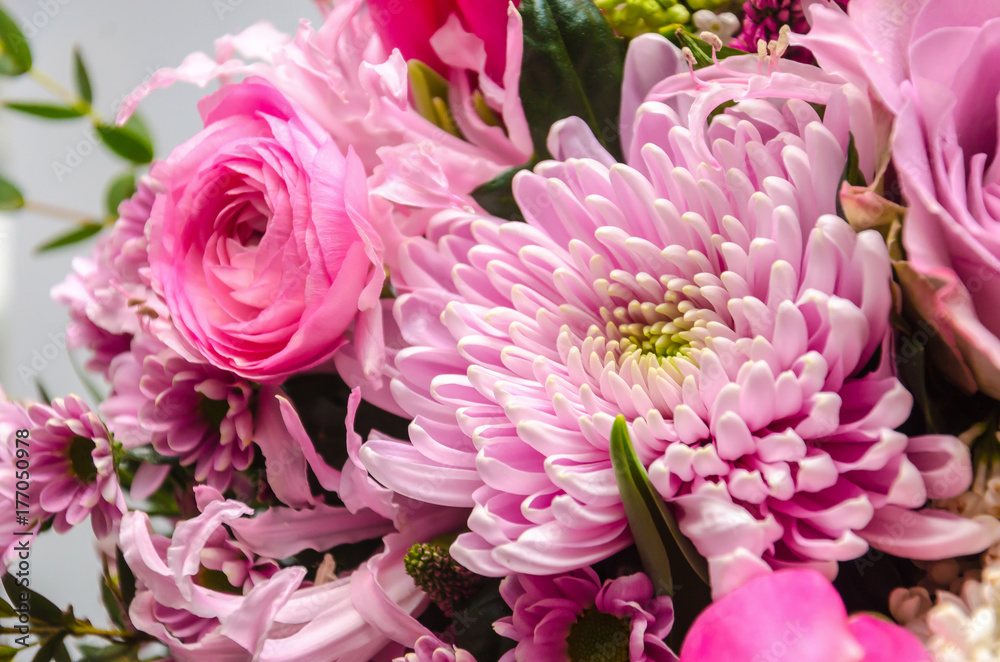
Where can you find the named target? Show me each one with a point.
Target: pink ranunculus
(409, 26)
(260, 243)
(932, 62)
(794, 615)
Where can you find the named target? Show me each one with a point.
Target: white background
(123, 43)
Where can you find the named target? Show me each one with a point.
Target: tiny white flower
(724, 25)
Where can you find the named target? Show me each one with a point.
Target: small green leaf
(702, 51)
(653, 526)
(42, 609)
(6, 611)
(497, 195)
(572, 66)
(126, 142)
(852, 172)
(43, 393)
(104, 653)
(83, 87)
(7, 653)
(126, 580)
(15, 54)
(82, 232)
(49, 648)
(111, 603)
(119, 190)
(61, 654)
(51, 111)
(10, 196)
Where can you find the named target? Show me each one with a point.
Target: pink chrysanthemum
(72, 469)
(105, 293)
(573, 617)
(193, 411)
(707, 292)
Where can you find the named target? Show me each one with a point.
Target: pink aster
(706, 291)
(72, 468)
(573, 617)
(193, 411)
(106, 292)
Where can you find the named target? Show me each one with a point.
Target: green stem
(53, 86)
(55, 211)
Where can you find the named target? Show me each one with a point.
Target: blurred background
(59, 163)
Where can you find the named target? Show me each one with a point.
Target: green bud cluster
(446, 582)
(631, 18)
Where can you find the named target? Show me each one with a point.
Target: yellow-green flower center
(598, 637)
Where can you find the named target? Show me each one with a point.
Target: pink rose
(409, 25)
(932, 63)
(260, 243)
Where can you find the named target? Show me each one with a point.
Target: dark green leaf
(10, 196)
(48, 650)
(120, 189)
(573, 64)
(701, 51)
(473, 624)
(84, 231)
(52, 111)
(15, 54)
(653, 526)
(61, 654)
(6, 611)
(126, 580)
(83, 87)
(7, 653)
(42, 609)
(497, 196)
(126, 142)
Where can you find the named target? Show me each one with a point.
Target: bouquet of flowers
(547, 331)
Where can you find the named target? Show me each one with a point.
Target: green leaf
(43, 393)
(653, 526)
(852, 172)
(7, 653)
(111, 603)
(15, 54)
(126, 142)
(78, 234)
(61, 654)
(82, 78)
(119, 190)
(572, 66)
(6, 611)
(48, 650)
(42, 609)
(701, 51)
(51, 111)
(497, 196)
(104, 653)
(10, 196)
(126, 580)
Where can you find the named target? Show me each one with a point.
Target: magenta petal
(886, 642)
(770, 611)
